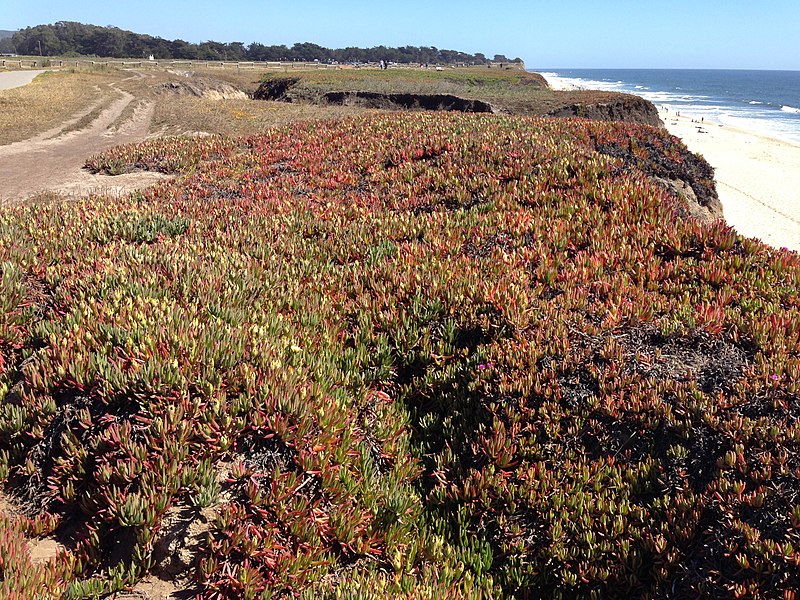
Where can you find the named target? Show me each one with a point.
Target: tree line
(67, 38)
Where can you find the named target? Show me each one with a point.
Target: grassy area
(477, 81)
(56, 97)
(483, 84)
(507, 91)
(405, 355)
(178, 115)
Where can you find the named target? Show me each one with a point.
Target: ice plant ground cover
(402, 355)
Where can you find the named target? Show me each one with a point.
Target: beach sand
(758, 178)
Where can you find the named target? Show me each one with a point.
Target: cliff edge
(617, 107)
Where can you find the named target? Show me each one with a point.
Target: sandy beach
(758, 178)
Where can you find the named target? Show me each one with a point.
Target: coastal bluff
(520, 93)
(617, 107)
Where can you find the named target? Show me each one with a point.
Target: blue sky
(734, 34)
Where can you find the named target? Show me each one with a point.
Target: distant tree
(236, 51)
(41, 39)
(107, 41)
(182, 49)
(213, 51)
(310, 52)
(7, 46)
(135, 46)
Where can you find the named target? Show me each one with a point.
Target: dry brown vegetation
(58, 102)
(185, 114)
(69, 100)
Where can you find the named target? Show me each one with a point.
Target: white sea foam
(555, 81)
(658, 97)
(791, 109)
(755, 102)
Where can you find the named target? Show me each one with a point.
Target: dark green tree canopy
(70, 38)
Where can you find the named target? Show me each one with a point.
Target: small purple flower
(481, 367)
(773, 377)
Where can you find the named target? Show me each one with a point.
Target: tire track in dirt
(53, 161)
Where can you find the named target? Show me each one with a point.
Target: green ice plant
(412, 354)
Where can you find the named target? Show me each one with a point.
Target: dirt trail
(53, 161)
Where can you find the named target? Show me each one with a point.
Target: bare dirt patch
(201, 87)
(48, 101)
(41, 550)
(8, 507)
(55, 164)
(153, 588)
(44, 550)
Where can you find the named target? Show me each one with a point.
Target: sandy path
(55, 164)
(15, 79)
(758, 178)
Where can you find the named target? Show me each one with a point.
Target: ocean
(764, 102)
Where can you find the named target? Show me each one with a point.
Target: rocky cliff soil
(618, 107)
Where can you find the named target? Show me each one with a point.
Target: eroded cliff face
(617, 107)
(287, 90)
(434, 102)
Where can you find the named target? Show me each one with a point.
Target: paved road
(14, 79)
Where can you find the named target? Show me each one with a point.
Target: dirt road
(15, 79)
(53, 161)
